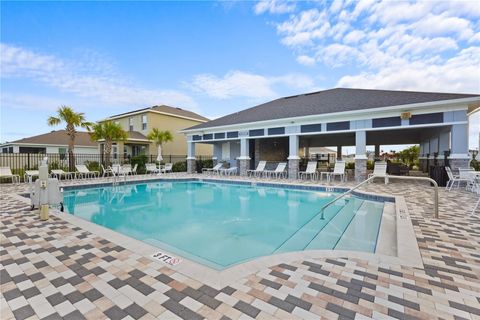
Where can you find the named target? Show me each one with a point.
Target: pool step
(332, 232)
(361, 233)
(311, 228)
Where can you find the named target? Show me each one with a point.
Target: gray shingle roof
(59, 137)
(329, 101)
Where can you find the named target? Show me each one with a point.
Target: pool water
(220, 225)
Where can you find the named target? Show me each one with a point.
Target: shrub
(93, 165)
(203, 164)
(370, 164)
(180, 166)
(475, 164)
(350, 165)
(140, 160)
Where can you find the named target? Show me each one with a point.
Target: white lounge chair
(29, 175)
(338, 171)
(380, 170)
(215, 168)
(278, 172)
(5, 172)
(151, 168)
(106, 172)
(310, 171)
(59, 174)
(84, 172)
(260, 169)
(454, 178)
(167, 168)
(228, 171)
(134, 169)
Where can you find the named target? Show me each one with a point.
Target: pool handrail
(435, 184)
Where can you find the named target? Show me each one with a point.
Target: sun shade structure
(286, 128)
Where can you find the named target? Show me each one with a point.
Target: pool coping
(408, 253)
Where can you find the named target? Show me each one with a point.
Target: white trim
(428, 107)
(154, 111)
(243, 158)
(428, 125)
(191, 158)
(293, 158)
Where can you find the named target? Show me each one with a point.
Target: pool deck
(56, 269)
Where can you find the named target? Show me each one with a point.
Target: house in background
(53, 142)
(139, 123)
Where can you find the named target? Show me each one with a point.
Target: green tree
(73, 120)
(109, 132)
(160, 137)
(410, 155)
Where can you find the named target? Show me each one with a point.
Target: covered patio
(285, 129)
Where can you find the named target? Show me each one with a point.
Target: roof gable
(59, 137)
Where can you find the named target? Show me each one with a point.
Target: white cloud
(29, 102)
(274, 6)
(93, 79)
(248, 85)
(303, 29)
(354, 36)
(306, 60)
(458, 74)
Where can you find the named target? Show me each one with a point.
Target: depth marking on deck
(165, 258)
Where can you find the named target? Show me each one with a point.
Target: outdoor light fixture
(405, 115)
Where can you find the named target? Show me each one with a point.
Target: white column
(293, 145)
(443, 142)
(244, 158)
(190, 150)
(361, 145)
(459, 141)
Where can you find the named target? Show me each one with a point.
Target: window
(5, 150)
(114, 151)
(130, 123)
(62, 152)
(144, 122)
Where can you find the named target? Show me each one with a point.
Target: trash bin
(439, 174)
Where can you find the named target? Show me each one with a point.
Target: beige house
(139, 124)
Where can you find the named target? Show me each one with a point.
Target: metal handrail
(322, 211)
(435, 184)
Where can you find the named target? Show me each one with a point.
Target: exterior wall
(165, 122)
(55, 149)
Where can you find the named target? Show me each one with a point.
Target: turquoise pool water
(224, 224)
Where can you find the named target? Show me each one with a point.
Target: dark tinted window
(343, 125)
(220, 135)
(311, 127)
(256, 132)
(386, 122)
(427, 118)
(232, 134)
(273, 131)
(197, 137)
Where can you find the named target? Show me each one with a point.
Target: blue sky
(104, 58)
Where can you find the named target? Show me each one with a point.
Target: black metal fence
(19, 162)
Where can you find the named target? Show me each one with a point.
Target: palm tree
(110, 132)
(160, 137)
(72, 120)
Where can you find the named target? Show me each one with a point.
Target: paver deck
(53, 269)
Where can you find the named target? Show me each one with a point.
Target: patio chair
(379, 170)
(151, 168)
(167, 168)
(84, 172)
(106, 172)
(229, 171)
(259, 170)
(134, 169)
(5, 172)
(468, 175)
(29, 175)
(310, 171)
(217, 167)
(338, 171)
(278, 172)
(453, 178)
(59, 174)
(126, 169)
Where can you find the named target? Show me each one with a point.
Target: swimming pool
(220, 224)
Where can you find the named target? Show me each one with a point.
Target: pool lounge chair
(338, 170)
(259, 171)
(217, 167)
(29, 175)
(310, 171)
(106, 172)
(134, 169)
(151, 168)
(84, 172)
(454, 178)
(5, 172)
(59, 174)
(278, 172)
(167, 168)
(229, 171)
(379, 170)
